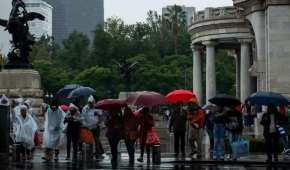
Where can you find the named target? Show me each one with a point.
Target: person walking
(195, 117)
(146, 122)
(131, 132)
(53, 128)
(208, 123)
(114, 133)
(73, 120)
(269, 122)
(24, 135)
(234, 127)
(178, 123)
(92, 121)
(219, 133)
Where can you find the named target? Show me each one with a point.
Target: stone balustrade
(216, 13)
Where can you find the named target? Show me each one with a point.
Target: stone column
(210, 70)
(197, 72)
(238, 74)
(245, 65)
(236, 55)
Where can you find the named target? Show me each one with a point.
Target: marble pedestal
(26, 83)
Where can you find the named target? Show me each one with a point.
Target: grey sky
(130, 11)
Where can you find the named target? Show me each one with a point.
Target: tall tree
(75, 51)
(176, 20)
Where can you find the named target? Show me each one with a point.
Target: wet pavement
(252, 162)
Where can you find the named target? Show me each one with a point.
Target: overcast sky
(130, 11)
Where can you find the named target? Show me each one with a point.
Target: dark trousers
(114, 142)
(98, 145)
(142, 149)
(179, 142)
(72, 137)
(22, 150)
(130, 144)
(272, 145)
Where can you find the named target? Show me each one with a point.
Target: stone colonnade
(243, 66)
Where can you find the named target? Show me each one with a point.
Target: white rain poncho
(53, 128)
(25, 130)
(91, 117)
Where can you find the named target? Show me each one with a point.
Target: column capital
(209, 43)
(196, 47)
(245, 40)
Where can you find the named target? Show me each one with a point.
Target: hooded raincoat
(53, 128)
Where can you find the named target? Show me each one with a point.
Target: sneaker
(140, 159)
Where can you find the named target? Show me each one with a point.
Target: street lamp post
(126, 69)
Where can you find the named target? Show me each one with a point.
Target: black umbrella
(81, 92)
(267, 98)
(64, 92)
(225, 100)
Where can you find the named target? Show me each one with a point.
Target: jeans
(179, 142)
(98, 145)
(211, 140)
(219, 141)
(195, 140)
(233, 137)
(72, 137)
(284, 141)
(272, 145)
(114, 142)
(130, 144)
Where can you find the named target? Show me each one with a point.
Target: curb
(204, 162)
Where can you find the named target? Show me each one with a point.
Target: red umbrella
(180, 95)
(146, 98)
(110, 103)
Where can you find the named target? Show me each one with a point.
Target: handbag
(240, 148)
(37, 139)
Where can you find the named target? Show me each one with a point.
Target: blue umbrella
(267, 98)
(64, 92)
(81, 92)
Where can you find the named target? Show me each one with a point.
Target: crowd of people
(223, 124)
(120, 123)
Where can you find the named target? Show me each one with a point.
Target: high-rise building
(189, 12)
(37, 27)
(76, 15)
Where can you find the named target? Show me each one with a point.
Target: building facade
(76, 15)
(256, 33)
(37, 27)
(189, 12)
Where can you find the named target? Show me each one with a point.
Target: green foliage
(225, 73)
(160, 46)
(75, 51)
(100, 78)
(53, 77)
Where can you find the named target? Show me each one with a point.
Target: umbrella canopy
(180, 95)
(81, 92)
(64, 92)
(267, 98)
(110, 103)
(225, 100)
(146, 98)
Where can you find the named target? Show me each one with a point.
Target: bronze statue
(22, 40)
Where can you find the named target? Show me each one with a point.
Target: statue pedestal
(26, 83)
